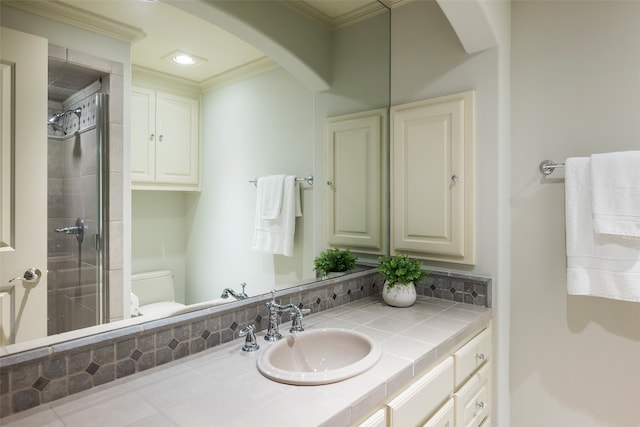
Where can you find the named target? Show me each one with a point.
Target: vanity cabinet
(432, 179)
(454, 393)
(165, 141)
(356, 189)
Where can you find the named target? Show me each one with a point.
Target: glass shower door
(76, 285)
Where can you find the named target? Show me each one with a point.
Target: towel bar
(307, 179)
(548, 166)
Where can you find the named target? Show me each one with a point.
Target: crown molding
(333, 23)
(242, 72)
(67, 14)
(393, 4)
(237, 74)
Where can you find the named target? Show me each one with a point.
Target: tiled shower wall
(42, 375)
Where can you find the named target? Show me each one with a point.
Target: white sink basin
(319, 356)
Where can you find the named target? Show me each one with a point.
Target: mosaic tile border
(43, 375)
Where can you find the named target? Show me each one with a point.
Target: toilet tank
(153, 286)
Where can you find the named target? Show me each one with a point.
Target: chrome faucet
(237, 295)
(273, 334)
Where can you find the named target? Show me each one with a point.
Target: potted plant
(334, 260)
(400, 273)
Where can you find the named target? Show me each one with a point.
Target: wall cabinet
(454, 393)
(432, 179)
(356, 193)
(165, 141)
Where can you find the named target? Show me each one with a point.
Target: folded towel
(276, 236)
(608, 269)
(615, 180)
(135, 305)
(269, 196)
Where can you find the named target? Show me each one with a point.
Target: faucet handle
(250, 343)
(296, 320)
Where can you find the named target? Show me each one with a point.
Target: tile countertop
(222, 386)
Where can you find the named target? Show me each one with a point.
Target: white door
(27, 56)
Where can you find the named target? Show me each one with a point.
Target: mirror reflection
(199, 137)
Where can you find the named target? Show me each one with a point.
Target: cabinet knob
(454, 178)
(160, 138)
(480, 357)
(151, 137)
(479, 405)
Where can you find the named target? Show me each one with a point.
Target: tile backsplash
(42, 375)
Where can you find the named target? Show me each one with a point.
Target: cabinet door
(472, 400)
(423, 397)
(378, 419)
(356, 175)
(444, 417)
(143, 138)
(177, 146)
(432, 202)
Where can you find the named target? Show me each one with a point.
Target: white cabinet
(472, 355)
(165, 141)
(445, 417)
(423, 397)
(455, 392)
(432, 179)
(378, 419)
(356, 192)
(472, 399)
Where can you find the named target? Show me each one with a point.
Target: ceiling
(160, 30)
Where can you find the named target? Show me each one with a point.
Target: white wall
(256, 127)
(575, 361)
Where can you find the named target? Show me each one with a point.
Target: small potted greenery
(400, 273)
(334, 260)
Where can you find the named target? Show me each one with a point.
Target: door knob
(32, 275)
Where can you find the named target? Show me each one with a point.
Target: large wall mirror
(267, 116)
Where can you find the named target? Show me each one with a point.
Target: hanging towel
(269, 196)
(615, 180)
(604, 268)
(276, 236)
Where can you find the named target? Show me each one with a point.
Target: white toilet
(154, 293)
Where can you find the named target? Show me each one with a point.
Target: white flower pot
(399, 295)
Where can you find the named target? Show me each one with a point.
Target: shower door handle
(78, 230)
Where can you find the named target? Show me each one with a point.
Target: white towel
(615, 180)
(134, 305)
(276, 236)
(269, 196)
(608, 269)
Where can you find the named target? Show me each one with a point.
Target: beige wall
(575, 361)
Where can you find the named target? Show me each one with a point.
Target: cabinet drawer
(379, 419)
(472, 355)
(472, 401)
(423, 397)
(444, 417)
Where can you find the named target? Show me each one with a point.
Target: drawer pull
(480, 357)
(479, 405)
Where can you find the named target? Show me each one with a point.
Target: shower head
(55, 120)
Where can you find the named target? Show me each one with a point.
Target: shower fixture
(54, 121)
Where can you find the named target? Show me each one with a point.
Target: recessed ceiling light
(183, 58)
